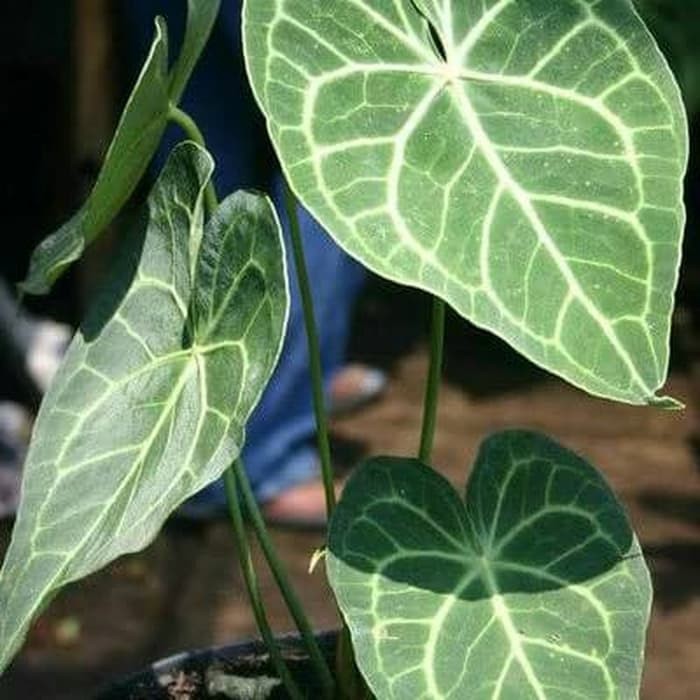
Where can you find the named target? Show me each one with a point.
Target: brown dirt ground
(185, 591)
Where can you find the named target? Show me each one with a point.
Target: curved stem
(348, 678)
(235, 476)
(278, 571)
(324, 450)
(189, 126)
(432, 387)
(253, 588)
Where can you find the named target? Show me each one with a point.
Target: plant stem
(189, 126)
(278, 571)
(235, 476)
(253, 588)
(432, 387)
(324, 450)
(348, 680)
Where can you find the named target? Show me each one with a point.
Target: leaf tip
(41, 277)
(33, 286)
(666, 403)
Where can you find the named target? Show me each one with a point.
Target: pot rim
(207, 656)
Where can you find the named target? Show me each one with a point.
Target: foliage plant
(519, 160)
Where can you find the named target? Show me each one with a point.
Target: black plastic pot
(237, 672)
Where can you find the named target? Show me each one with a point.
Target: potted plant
(519, 160)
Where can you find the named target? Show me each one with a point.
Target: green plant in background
(520, 160)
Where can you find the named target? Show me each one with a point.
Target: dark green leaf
(535, 589)
(153, 396)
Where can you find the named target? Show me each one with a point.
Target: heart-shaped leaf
(153, 396)
(521, 159)
(535, 588)
(136, 139)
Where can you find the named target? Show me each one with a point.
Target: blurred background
(63, 81)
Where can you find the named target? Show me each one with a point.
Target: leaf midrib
(522, 196)
(115, 385)
(526, 206)
(482, 567)
(500, 611)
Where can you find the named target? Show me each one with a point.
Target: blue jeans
(279, 451)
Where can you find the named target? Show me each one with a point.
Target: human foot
(301, 507)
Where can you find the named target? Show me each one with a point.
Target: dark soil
(185, 591)
(238, 672)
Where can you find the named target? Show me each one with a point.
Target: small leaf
(135, 141)
(138, 134)
(153, 396)
(535, 588)
(522, 160)
(201, 15)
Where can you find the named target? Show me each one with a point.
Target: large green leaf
(138, 134)
(537, 589)
(521, 159)
(151, 401)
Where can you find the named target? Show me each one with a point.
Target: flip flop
(295, 513)
(354, 387)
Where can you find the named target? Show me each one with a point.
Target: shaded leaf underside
(151, 401)
(532, 178)
(537, 590)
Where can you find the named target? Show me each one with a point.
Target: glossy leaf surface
(534, 589)
(153, 396)
(521, 159)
